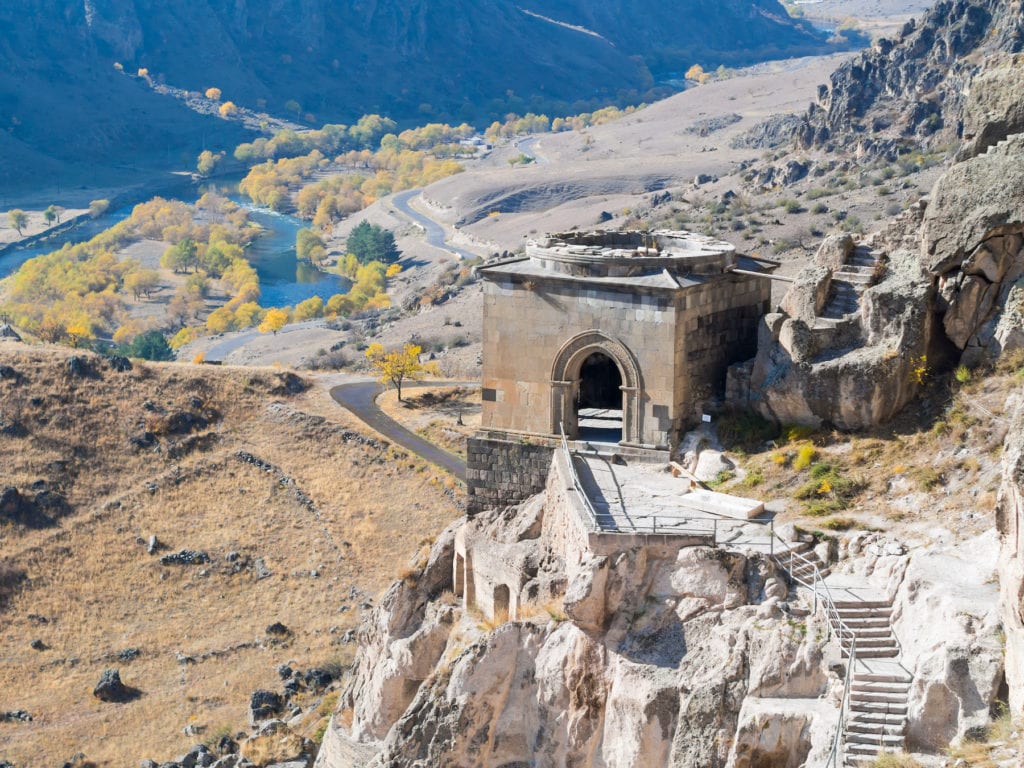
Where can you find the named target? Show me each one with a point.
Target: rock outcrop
(1010, 523)
(643, 655)
(909, 92)
(852, 348)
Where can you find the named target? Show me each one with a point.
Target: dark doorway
(502, 598)
(599, 400)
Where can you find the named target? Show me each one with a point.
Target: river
(284, 280)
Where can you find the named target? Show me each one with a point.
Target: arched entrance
(595, 385)
(599, 400)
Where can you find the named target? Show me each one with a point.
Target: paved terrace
(648, 498)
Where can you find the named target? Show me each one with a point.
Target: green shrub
(827, 491)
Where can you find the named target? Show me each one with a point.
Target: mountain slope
(60, 94)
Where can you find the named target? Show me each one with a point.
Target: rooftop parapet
(631, 253)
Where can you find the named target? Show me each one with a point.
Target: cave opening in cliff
(599, 400)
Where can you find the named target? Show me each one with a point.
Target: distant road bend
(435, 232)
(360, 397)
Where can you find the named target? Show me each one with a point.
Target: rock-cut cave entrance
(599, 400)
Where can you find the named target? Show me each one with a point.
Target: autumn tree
(310, 309)
(208, 162)
(181, 256)
(18, 219)
(273, 321)
(142, 282)
(98, 207)
(227, 109)
(697, 73)
(213, 93)
(309, 245)
(396, 366)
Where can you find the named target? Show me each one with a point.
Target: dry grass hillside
(303, 518)
(932, 473)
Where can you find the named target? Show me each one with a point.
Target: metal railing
(576, 484)
(800, 569)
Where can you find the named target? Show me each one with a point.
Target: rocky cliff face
(1010, 522)
(947, 286)
(903, 93)
(651, 655)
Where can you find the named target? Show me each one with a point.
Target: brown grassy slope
(90, 578)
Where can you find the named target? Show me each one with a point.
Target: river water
(284, 279)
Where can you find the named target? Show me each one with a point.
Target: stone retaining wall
(503, 472)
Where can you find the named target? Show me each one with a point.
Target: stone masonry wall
(504, 472)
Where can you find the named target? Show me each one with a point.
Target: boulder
(974, 200)
(1010, 524)
(993, 109)
(710, 464)
(111, 689)
(264, 705)
(946, 616)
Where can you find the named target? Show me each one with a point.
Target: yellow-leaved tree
(273, 321)
(398, 365)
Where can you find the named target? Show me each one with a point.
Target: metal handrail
(835, 753)
(577, 485)
(833, 620)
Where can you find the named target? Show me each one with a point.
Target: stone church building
(611, 337)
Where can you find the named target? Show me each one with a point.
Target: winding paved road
(360, 398)
(222, 349)
(435, 232)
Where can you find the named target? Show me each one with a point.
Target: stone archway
(565, 383)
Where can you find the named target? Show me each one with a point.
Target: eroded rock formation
(911, 91)
(863, 326)
(650, 655)
(1010, 523)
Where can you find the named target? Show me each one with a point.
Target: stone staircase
(876, 719)
(849, 282)
(880, 684)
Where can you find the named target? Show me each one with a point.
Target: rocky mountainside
(912, 90)
(940, 285)
(643, 653)
(61, 98)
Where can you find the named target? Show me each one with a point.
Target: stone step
(868, 621)
(861, 677)
(868, 697)
(879, 686)
(869, 633)
(853, 277)
(877, 739)
(857, 605)
(887, 709)
(875, 644)
(864, 259)
(873, 729)
(865, 754)
(874, 653)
